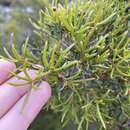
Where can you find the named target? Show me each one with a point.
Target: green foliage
(83, 49)
(44, 118)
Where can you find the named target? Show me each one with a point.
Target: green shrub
(84, 51)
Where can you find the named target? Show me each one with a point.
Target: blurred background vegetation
(14, 18)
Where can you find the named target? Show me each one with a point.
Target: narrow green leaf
(52, 58)
(45, 61)
(100, 116)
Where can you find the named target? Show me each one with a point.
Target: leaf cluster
(83, 49)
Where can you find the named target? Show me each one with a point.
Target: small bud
(61, 77)
(54, 8)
